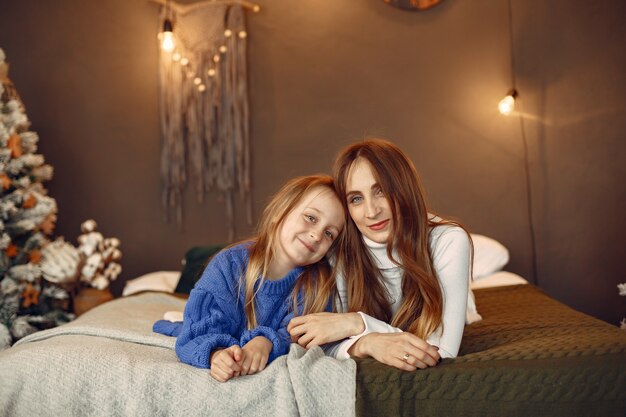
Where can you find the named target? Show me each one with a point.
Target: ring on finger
(406, 357)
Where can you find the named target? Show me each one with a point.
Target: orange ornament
(29, 202)
(30, 296)
(5, 181)
(34, 256)
(11, 250)
(15, 145)
(48, 224)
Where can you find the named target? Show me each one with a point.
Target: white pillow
(490, 256)
(164, 281)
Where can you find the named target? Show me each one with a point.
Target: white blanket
(108, 362)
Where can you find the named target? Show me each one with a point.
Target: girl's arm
(206, 327)
(279, 338)
(211, 317)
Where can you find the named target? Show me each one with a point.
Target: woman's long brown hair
(316, 286)
(421, 310)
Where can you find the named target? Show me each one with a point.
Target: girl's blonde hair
(421, 311)
(316, 284)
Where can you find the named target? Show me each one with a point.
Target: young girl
(236, 317)
(407, 294)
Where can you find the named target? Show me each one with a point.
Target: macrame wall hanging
(204, 105)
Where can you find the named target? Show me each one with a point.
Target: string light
(167, 36)
(168, 44)
(507, 104)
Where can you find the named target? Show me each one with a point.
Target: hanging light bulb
(507, 104)
(167, 36)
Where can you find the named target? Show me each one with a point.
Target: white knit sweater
(450, 249)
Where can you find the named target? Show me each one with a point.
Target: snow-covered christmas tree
(32, 296)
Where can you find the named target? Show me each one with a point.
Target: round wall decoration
(413, 4)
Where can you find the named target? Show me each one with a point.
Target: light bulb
(507, 104)
(167, 36)
(228, 33)
(211, 72)
(197, 81)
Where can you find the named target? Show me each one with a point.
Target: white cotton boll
(622, 288)
(89, 242)
(100, 282)
(88, 226)
(91, 266)
(112, 271)
(5, 335)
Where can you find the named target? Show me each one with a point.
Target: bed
(529, 356)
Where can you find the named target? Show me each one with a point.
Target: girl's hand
(225, 363)
(255, 355)
(392, 349)
(320, 328)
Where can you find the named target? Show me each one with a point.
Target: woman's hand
(225, 363)
(320, 328)
(401, 350)
(255, 355)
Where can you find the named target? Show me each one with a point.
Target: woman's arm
(450, 249)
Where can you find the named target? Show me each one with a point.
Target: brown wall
(326, 72)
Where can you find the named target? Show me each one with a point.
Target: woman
(403, 273)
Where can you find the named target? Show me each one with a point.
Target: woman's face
(368, 206)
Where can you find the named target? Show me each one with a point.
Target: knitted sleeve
(280, 338)
(210, 317)
(205, 327)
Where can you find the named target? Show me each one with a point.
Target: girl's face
(309, 230)
(368, 206)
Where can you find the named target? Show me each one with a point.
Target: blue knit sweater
(215, 317)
